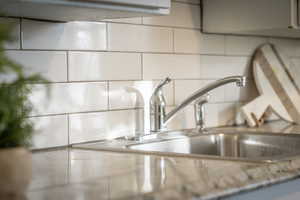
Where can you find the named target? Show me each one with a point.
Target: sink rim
(192, 134)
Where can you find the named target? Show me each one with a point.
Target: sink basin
(236, 146)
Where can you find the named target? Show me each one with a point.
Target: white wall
(92, 66)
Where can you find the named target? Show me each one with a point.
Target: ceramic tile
(50, 64)
(193, 41)
(15, 44)
(295, 61)
(91, 66)
(134, 94)
(249, 92)
(289, 47)
(221, 114)
(183, 120)
(54, 127)
(216, 67)
(69, 97)
(245, 94)
(95, 126)
(185, 88)
(124, 37)
(182, 15)
(159, 66)
(68, 36)
(134, 20)
(240, 45)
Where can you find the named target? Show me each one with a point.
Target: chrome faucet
(158, 116)
(199, 111)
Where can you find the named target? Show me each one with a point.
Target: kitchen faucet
(200, 111)
(158, 116)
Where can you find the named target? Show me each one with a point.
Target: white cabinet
(83, 10)
(254, 17)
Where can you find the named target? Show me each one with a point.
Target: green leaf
(16, 129)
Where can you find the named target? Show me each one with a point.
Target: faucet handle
(200, 111)
(161, 84)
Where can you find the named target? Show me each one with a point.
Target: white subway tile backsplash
(232, 92)
(184, 88)
(124, 37)
(239, 45)
(215, 67)
(104, 125)
(183, 120)
(50, 64)
(193, 41)
(64, 36)
(95, 66)
(295, 61)
(159, 66)
(133, 20)
(15, 44)
(69, 98)
(100, 70)
(182, 15)
(54, 127)
(134, 94)
(221, 114)
(249, 92)
(123, 94)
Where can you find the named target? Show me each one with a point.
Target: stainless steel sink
(236, 146)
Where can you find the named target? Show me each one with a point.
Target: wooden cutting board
(278, 89)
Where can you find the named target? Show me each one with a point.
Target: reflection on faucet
(158, 116)
(139, 95)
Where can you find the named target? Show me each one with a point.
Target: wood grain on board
(277, 88)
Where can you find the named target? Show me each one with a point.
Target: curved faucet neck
(240, 80)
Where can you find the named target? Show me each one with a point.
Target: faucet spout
(240, 81)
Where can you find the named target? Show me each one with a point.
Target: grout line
(68, 126)
(108, 92)
(174, 92)
(85, 112)
(69, 165)
(225, 39)
(21, 35)
(68, 79)
(142, 66)
(173, 40)
(104, 81)
(107, 36)
(135, 52)
(157, 25)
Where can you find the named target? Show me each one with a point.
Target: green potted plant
(16, 128)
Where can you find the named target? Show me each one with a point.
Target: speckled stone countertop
(78, 174)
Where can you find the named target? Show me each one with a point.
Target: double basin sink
(244, 146)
